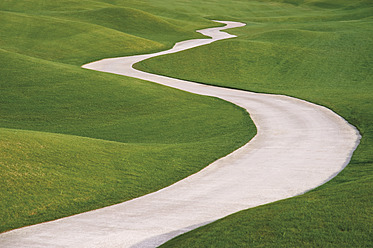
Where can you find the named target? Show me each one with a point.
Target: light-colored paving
(299, 146)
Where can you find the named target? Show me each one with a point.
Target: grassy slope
(320, 51)
(73, 139)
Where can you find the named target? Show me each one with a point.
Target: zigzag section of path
(299, 146)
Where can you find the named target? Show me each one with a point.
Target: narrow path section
(298, 147)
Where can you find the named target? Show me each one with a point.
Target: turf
(72, 139)
(320, 51)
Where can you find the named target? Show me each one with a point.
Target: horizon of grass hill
(317, 50)
(73, 140)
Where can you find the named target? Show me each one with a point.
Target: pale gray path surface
(299, 146)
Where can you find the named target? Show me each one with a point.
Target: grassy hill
(72, 139)
(320, 51)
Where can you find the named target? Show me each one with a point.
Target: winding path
(299, 146)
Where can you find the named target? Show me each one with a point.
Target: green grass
(76, 37)
(72, 139)
(320, 51)
(317, 219)
(93, 135)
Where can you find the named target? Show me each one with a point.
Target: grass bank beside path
(320, 51)
(73, 140)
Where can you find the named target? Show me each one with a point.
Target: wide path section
(299, 146)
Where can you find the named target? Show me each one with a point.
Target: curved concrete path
(298, 147)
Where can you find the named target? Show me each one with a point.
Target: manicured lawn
(72, 139)
(320, 51)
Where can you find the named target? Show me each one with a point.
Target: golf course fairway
(298, 146)
(74, 140)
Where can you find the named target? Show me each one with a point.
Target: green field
(73, 139)
(321, 51)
